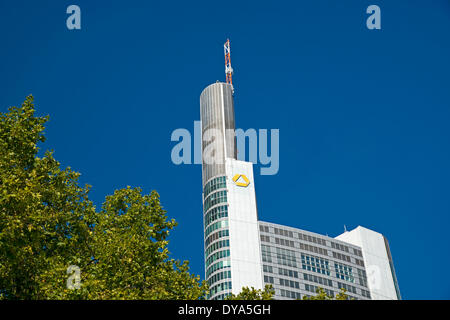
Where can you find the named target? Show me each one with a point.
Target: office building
(241, 250)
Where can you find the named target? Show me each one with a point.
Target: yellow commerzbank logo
(241, 180)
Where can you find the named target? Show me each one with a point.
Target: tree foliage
(254, 294)
(48, 223)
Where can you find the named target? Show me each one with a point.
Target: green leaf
(48, 223)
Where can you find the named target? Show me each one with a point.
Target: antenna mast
(228, 68)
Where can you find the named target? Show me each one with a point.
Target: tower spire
(228, 68)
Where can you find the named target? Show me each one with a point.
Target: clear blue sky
(363, 115)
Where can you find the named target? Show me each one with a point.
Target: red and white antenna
(228, 68)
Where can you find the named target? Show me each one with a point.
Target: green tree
(48, 223)
(322, 295)
(254, 294)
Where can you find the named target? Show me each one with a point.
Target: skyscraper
(232, 247)
(242, 251)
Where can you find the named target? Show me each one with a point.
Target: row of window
(225, 264)
(340, 256)
(346, 249)
(308, 238)
(283, 282)
(344, 272)
(215, 226)
(216, 213)
(216, 256)
(314, 249)
(310, 263)
(216, 235)
(294, 274)
(286, 283)
(282, 232)
(217, 245)
(267, 268)
(287, 243)
(215, 198)
(365, 293)
(283, 242)
(289, 283)
(359, 262)
(290, 243)
(308, 277)
(213, 185)
(312, 239)
(315, 264)
(290, 294)
(265, 253)
(319, 280)
(288, 273)
(339, 247)
(311, 288)
(286, 257)
(291, 234)
(219, 276)
(219, 288)
(347, 287)
(268, 279)
(362, 278)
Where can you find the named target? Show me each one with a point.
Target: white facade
(379, 267)
(234, 253)
(245, 255)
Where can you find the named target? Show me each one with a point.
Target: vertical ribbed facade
(218, 124)
(218, 142)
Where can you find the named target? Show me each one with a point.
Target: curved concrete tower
(218, 125)
(232, 248)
